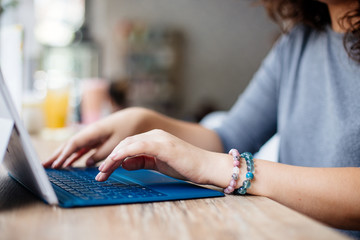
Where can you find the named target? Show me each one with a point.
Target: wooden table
(24, 216)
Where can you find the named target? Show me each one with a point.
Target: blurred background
(71, 62)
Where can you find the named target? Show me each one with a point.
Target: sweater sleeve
(253, 118)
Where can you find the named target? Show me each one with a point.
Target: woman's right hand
(101, 137)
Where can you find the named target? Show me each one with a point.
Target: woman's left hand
(163, 152)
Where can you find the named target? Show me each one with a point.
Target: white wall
(225, 41)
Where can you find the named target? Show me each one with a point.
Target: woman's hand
(163, 152)
(101, 137)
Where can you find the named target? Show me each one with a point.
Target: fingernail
(99, 177)
(101, 167)
(54, 165)
(57, 162)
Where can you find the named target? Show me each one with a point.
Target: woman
(306, 90)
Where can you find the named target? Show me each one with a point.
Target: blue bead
(246, 184)
(250, 168)
(248, 156)
(241, 191)
(249, 175)
(244, 154)
(249, 163)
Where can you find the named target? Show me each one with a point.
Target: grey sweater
(307, 90)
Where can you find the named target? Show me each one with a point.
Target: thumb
(102, 152)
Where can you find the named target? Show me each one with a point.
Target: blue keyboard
(83, 185)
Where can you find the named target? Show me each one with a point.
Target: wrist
(139, 118)
(218, 169)
(246, 184)
(147, 120)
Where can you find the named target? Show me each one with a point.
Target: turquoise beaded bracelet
(249, 175)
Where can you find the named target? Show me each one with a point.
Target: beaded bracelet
(236, 170)
(249, 175)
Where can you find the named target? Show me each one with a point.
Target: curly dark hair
(315, 14)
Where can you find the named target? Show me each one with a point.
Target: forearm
(330, 195)
(190, 132)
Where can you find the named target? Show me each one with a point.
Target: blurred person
(118, 94)
(307, 90)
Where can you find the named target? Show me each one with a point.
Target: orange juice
(56, 107)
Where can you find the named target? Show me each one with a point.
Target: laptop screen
(20, 159)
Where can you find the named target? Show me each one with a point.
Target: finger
(146, 136)
(75, 144)
(101, 177)
(103, 151)
(69, 161)
(131, 150)
(141, 144)
(109, 160)
(90, 162)
(53, 157)
(88, 137)
(139, 162)
(104, 176)
(68, 150)
(124, 142)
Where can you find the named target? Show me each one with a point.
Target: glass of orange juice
(56, 107)
(56, 102)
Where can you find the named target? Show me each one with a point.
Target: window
(58, 20)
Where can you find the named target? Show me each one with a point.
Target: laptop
(77, 187)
